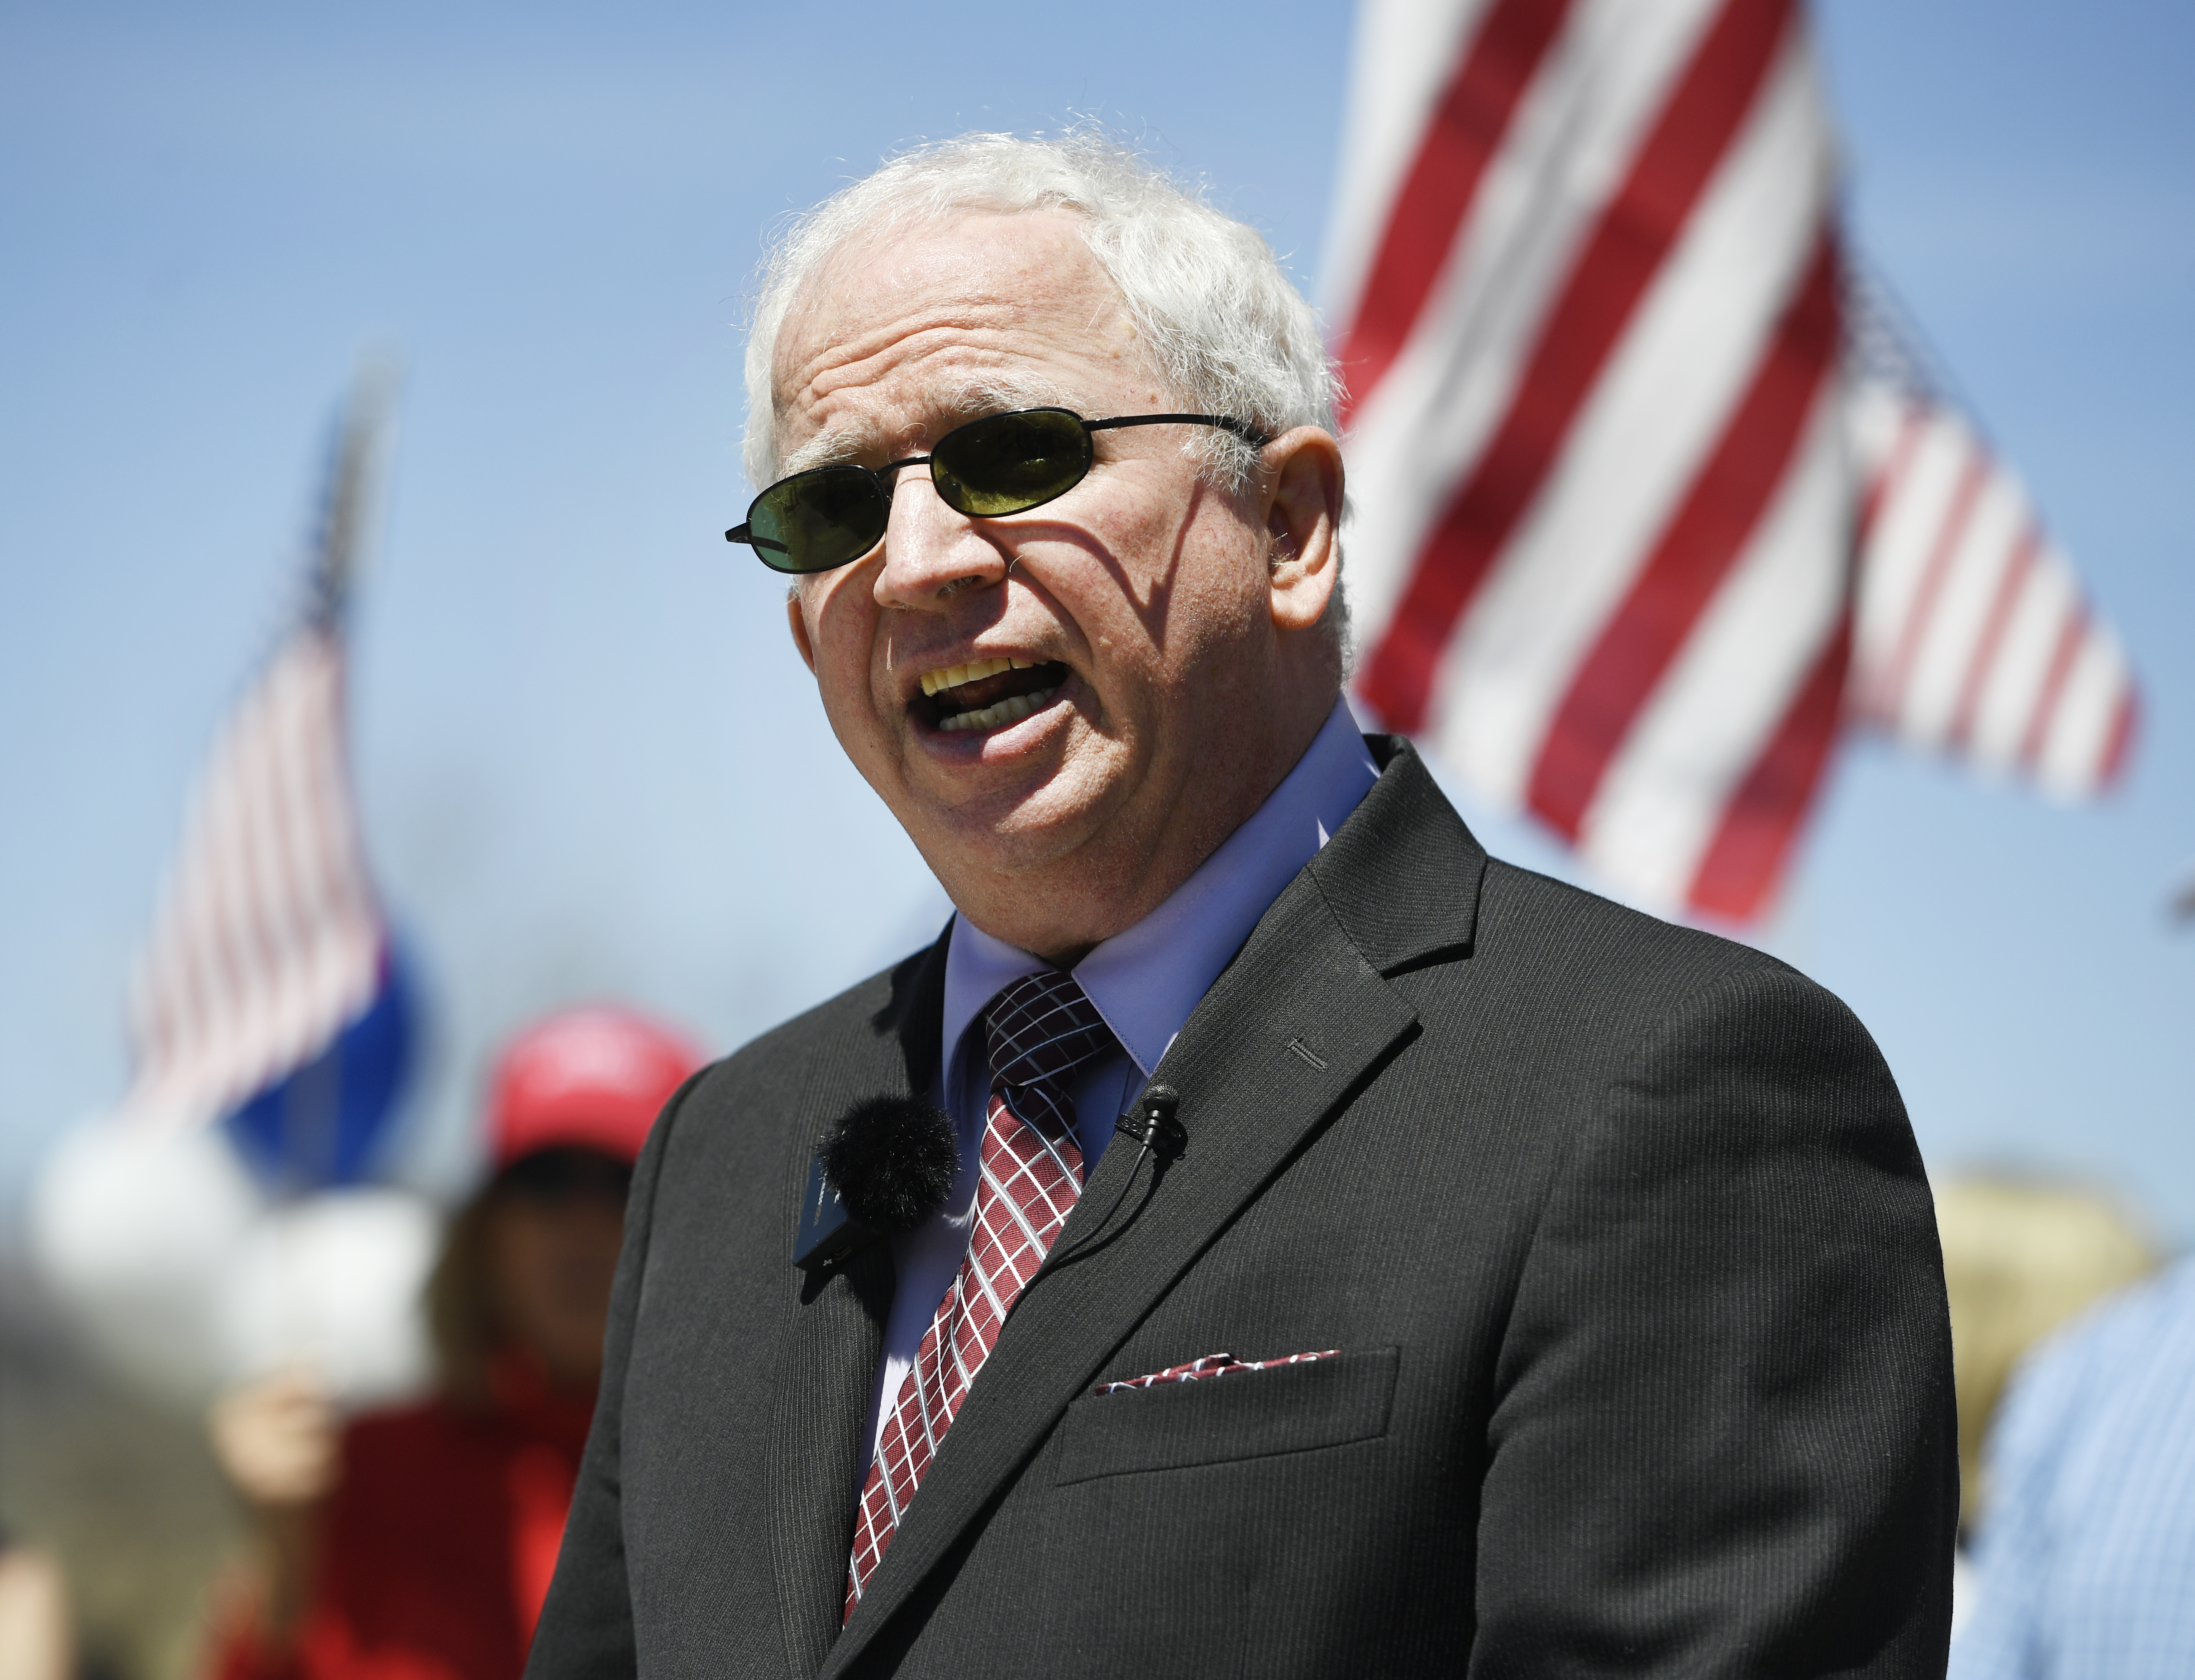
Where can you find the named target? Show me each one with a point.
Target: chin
(1008, 837)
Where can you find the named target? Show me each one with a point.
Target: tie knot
(1042, 1027)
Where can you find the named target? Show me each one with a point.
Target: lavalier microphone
(1157, 1133)
(1151, 1123)
(879, 1171)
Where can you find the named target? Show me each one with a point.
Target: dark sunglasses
(1002, 463)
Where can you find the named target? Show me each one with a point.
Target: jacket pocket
(1289, 1408)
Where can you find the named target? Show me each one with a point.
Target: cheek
(544, 1259)
(602, 1235)
(513, 1250)
(1179, 617)
(841, 630)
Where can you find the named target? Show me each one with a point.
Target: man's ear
(799, 621)
(1303, 523)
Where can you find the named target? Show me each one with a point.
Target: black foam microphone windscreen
(880, 1169)
(892, 1160)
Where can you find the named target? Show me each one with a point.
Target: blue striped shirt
(2086, 1564)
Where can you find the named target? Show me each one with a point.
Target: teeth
(974, 672)
(1010, 710)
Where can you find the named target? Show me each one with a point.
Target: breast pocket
(1251, 1414)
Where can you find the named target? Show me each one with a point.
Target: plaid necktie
(1040, 1030)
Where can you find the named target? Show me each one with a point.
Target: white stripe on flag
(268, 940)
(1421, 431)
(1656, 410)
(1403, 57)
(2048, 596)
(1974, 638)
(1944, 641)
(1607, 483)
(1664, 795)
(2081, 745)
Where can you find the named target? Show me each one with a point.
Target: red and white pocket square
(1212, 1365)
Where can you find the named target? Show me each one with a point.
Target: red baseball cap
(586, 1078)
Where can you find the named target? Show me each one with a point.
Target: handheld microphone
(879, 1171)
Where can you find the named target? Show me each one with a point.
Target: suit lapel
(1282, 1040)
(822, 1400)
(828, 1366)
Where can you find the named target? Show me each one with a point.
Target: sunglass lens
(813, 521)
(1010, 462)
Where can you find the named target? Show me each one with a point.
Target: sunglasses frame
(886, 477)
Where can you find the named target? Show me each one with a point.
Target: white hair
(1225, 329)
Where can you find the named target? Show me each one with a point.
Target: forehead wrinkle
(843, 359)
(879, 341)
(943, 400)
(977, 297)
(978, 326)
(849, 365)
(978, 341)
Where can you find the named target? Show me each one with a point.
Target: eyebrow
(947, 406)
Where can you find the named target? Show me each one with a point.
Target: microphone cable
(1152, 1123)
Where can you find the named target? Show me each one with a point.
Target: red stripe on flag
(221, 980)
(1887, 483)
(259, 938)
(1467, 129)
(2121, 739)
(1698, 549)
(2069, 636)
(1890, 701)
(1744, 861)
(2010, 581)
(1634, 236)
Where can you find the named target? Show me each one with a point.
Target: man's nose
(930, 551)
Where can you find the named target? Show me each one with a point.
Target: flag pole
(312, 1108)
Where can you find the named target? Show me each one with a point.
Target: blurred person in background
(2085, 1564)
(2021, 1257)
(417, 1543)
(37, 1640)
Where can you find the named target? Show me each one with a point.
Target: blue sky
(582, 736)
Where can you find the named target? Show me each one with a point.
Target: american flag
(1637, 533)
(1973, 634)
(267, 993)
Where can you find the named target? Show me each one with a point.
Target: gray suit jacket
(1620, 1229)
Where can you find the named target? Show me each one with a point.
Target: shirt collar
(1147, 979)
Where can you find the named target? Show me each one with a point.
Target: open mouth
(988, 693)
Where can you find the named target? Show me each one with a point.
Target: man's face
(1135, 609)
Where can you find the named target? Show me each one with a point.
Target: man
(1530, 1286)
